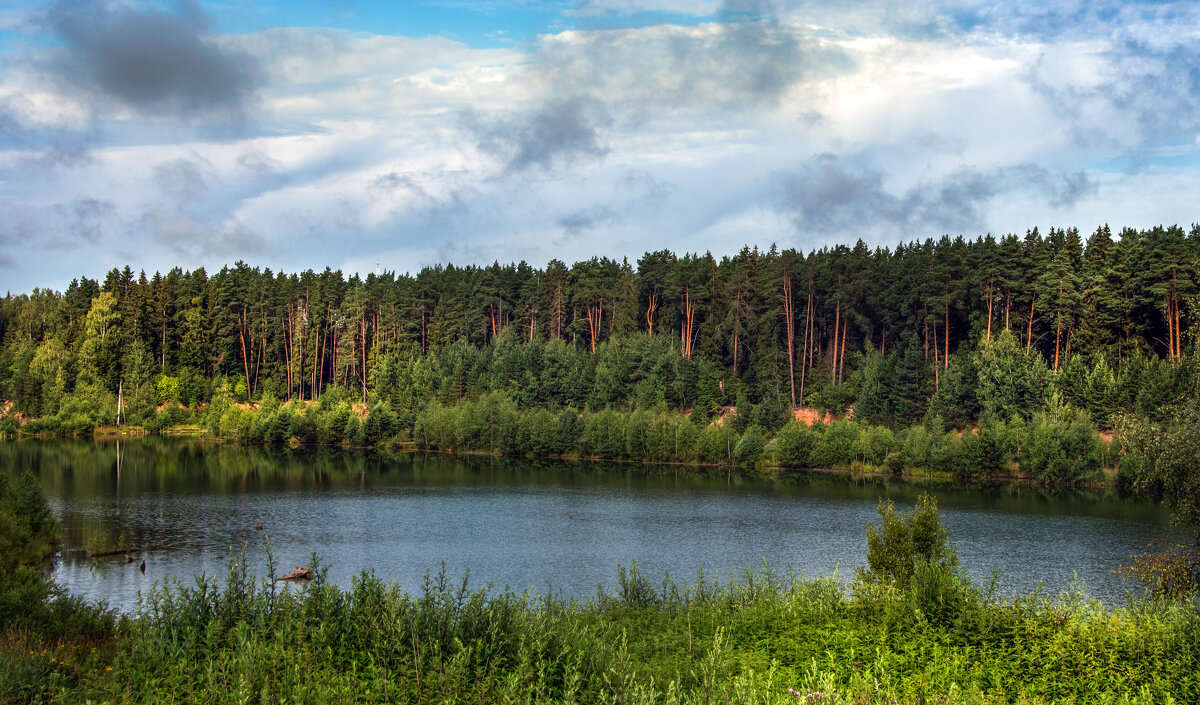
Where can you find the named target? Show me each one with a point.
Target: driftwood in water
(134, 549)
(298, 573)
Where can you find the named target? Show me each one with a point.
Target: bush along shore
(1059, 446)
(910, 628)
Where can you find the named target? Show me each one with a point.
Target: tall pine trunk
(651, 308)
(946, 356)
(790, 327)
(805, 362)
(1029, 332)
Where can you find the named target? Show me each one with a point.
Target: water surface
(530, 524)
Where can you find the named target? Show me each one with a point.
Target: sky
(402, 134)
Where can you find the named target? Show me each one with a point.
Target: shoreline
(764, 469)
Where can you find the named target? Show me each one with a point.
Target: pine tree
(1059, 299)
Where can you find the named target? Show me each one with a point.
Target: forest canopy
(955, 328)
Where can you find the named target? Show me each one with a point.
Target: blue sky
(341, 133)
(478, 24)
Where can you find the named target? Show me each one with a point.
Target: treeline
(959, 329)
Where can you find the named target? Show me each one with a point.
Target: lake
(549, 526)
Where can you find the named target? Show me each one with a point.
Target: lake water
(556, 526)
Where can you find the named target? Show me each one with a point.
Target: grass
(760, 637)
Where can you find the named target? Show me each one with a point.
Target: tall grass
(760, 636)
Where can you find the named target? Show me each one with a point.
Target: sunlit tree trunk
(946, 356)
(790, 326)
(804, 363)
(687, 331)
(651, 308)
(1029, 330)
(245, 359)
(842, 353)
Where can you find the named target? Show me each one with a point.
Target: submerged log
(298, 573)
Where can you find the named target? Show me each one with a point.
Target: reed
(759, 636)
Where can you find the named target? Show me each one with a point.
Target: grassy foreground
(911, 628)
(756, 638)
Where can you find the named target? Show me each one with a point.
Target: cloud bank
(149, 134)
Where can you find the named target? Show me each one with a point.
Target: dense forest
(961, 329)
(973, 358)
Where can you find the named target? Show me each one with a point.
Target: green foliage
(716, 443)
(966, 330)
(795, 445)
(381, 424)
(505, 358)
(1012, 379)
(31, 604)
(956, 397)
(1051, 449)
(167, 390)
(750, 446)
(1166, 462)
(873, 402)
(1058, 451)
(904, 543)
(833, 396)
(603, 435)
(1171, 571)
(759, 636)
(837, 446)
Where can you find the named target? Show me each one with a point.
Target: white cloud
(681, 137)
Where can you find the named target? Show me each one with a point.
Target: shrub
(1084, 449)
(29, 599)
(304, 426)
(380, 425)
(750, 448)
(1058, 452)
(169, 416)
(794, 445)
(46, 424)
(167, 390)
(714, 445)
(967, 456)
(352, 434)
(902, 542)
(566, 432)
(1171, 571)
(1127, 471)
(915, 445)
(838, 448)
(894, 463)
